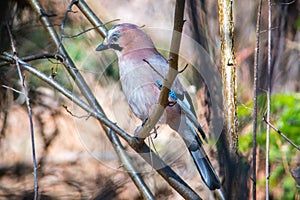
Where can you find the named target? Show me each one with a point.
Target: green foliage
(56, 71)
(285, 115)
(297, 22)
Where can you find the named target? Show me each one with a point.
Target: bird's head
(124, 38)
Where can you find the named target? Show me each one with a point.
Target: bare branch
(90, 15)
(153, 68)
(25, 93)
(255, 74)
(12, 89)
(281, 134)
(32, 57)
(268, 98)
(84, 116)
(179, 72)
(69, 9)
(87, 30)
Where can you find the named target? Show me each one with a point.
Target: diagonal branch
(281, 134)
(90, 15)
(173, 71)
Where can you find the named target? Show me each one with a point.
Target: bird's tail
(205, 168)
(194, 144)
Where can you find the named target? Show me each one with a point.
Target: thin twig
(62, 25)
(47, 56)
(180, 71)
(281, 134)
(255, 74)
(69, 9)
(32, 57)
(89, 29)
(79, 117)
(153, 68)
(268, 98)
(12, 89)
(266, 31)
(25, 93)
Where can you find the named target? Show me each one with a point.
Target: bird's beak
(102, 47)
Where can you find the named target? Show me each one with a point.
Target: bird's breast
(138, 85)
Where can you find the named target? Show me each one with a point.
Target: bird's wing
(188, 108)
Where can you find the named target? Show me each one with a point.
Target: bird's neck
(137, 53)
(137, 44)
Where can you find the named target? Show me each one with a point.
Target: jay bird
(141, 67)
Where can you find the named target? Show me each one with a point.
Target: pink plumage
(140, 67)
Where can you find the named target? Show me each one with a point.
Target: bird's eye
(115, 37)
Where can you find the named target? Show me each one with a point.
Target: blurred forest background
(75, 159)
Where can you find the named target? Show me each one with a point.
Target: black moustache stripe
(116, 47)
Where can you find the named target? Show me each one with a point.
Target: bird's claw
(171, 103)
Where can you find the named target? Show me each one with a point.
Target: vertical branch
(228, 65)
(25, 93)
(268, 97)
(255, 100)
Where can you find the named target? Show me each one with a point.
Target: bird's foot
(137, 130)
(171, 103)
